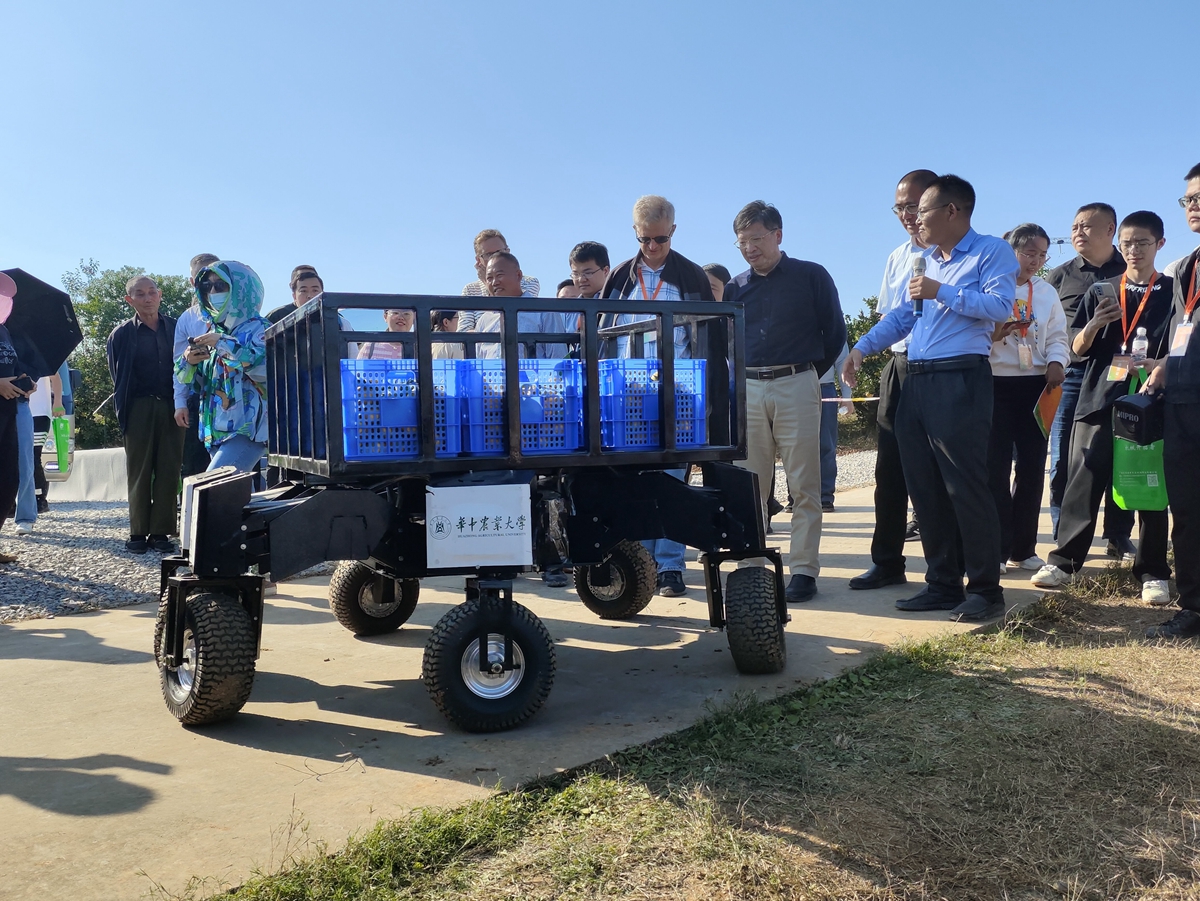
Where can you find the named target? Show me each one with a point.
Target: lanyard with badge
(1183, 331)
(1023, 313)
(1122, 363)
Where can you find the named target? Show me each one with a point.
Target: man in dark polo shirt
(142, 368)
(945, 416)
(1092, 235)
(794, 332)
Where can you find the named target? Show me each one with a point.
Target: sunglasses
(660, 239)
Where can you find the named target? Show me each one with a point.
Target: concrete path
(103, 794)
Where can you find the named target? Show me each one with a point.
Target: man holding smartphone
(141, 362)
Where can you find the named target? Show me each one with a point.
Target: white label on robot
(480, 525)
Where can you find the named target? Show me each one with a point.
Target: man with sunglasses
(944, 420)
(891, 491)
(488, 243)
(657, 272)
(794, 332)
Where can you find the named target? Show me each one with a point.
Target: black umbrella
(42, 324)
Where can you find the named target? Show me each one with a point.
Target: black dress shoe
(927, 600)
(1184, 624)
(977, 608)
(877, 577)
(801, 588)
(1121, 549)
(773, 507)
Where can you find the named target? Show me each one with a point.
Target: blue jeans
(668, 554)
(829, 436)
(26, 493)
(1118, 523)
(239, 452)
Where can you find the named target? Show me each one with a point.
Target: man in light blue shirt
(945, 413)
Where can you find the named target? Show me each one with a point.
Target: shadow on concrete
(76, 645)
(74, 787)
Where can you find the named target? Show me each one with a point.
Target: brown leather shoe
(7, 558)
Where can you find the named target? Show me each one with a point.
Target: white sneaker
(1003, 569)
(24, 528)
(1033, 564)
(1050, 576)
(1156, 592)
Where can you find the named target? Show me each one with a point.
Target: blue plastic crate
(629, 403)
(551, 406)
(381, 409)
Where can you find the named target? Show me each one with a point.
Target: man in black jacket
(659, 273)
(1179, 376)
(140, 360)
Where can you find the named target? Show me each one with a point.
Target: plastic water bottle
(1141, 346)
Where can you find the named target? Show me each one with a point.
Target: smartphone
(25, 383)
(1108, 294)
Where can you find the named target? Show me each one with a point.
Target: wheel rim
(183, 677)
(614, 589)
(497, 683)
(369, 606)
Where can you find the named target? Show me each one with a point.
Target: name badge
(1118, 371)
(1179, 341)
(1025, 355)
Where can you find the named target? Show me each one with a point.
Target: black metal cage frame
(304, 387)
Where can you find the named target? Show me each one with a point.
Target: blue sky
(374, 140)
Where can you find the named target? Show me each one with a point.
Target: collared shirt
(651, 279)
(530, 287)
(897, 273)
(546, 322)
(793, 315)
(1073, 278)
(153, 362)
(189, 325)
(978, 284)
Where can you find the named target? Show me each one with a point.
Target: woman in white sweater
(1028, 355)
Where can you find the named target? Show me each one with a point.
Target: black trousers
(891, 491)
(1015, 432)
(943, 425)
(195, 454)
(1181, 450)
(1089, 478)
(41, 426)
(10, 472)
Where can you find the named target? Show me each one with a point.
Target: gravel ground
(854, 470)
(76, 560)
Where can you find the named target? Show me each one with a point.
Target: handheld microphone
(918, 263)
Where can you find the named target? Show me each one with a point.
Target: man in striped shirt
(488, 243)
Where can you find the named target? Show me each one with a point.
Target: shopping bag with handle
(1138, 482)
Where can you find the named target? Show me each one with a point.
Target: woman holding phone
(1029, 352)
(14, 385)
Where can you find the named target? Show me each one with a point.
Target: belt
(766, 373)
(969, 361)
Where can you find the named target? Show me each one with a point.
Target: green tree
(868, 377)
(99, 300)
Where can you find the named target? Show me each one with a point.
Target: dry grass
(1058, 758)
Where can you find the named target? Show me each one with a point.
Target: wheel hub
(366, 600)
(615, 587)
(184, 675)
(495, 683)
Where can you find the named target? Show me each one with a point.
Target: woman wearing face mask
(227, 366)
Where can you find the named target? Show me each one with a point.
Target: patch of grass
(1057, 758)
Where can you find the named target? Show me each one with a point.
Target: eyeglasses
(908, 209)
(1189, 200)
(1034, 255)
(660, 239)
(755, 241)
(921, 214)
(213, 286)
(492, 253)
(1134, 245)
(588, 273)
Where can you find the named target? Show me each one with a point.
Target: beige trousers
(784, 416)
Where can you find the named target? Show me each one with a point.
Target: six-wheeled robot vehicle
(536, 448)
